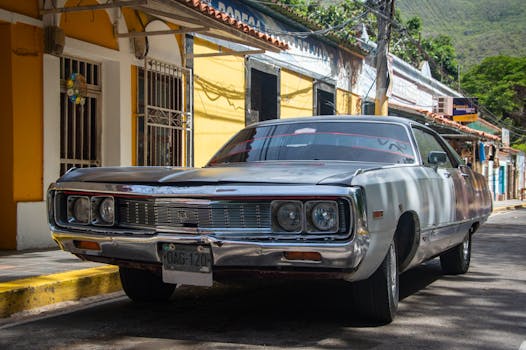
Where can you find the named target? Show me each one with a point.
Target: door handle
(464, 175)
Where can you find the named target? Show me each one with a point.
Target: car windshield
(341, 141)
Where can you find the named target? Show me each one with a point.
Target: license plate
(187, 264)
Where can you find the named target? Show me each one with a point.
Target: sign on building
(465, 109)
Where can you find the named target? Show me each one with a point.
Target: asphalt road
(484, 309)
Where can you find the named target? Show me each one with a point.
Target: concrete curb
(29, 293)
(509, 207)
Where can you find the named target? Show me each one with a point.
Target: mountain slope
(479, 28)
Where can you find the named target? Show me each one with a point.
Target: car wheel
(377, 297)
(456, 260)
(142, 285)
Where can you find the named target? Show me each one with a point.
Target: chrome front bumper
(337, 256)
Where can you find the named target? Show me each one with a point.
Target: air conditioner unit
(444, 105)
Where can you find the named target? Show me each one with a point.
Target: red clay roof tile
(225, 18)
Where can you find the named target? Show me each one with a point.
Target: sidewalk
(508, 205)
(32, 279)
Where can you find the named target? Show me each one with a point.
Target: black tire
(456, 260)
(143, 285)
(376, 298)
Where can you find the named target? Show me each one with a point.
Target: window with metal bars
(164, 125)
(80, 124)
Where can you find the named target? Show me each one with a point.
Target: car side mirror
(436, 158)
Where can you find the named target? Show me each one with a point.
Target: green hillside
(479, 28)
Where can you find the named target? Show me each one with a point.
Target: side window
(428, 143)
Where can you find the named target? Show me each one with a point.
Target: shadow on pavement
(471, 311)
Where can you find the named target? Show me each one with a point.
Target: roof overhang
(191, 16)
(445, 126)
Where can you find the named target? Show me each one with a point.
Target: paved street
(484, 309)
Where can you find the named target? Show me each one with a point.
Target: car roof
(339, 118)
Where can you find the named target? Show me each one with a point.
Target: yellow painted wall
(8, 212)
(92, 26)
(219, 100)
(24, 7)
(296, 95)
(135, 20)
(27, 51)
(21, 124)
(356, 104)
(347, 102)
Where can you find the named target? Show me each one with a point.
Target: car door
(441, 181)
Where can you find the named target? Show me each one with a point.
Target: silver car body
(444, 203)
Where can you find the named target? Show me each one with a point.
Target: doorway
(262, 96)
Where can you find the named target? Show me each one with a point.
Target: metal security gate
(80, 120)
(164, 126)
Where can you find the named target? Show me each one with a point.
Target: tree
(442, 53)
(405, 39)
(499, 82)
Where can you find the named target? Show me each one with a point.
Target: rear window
(342, 141)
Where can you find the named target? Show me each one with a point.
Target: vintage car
(354, 198)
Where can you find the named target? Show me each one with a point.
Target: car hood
(310, 172)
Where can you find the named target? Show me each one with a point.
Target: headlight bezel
(96, 214)
(90, 214)
(276, 206)
(311, 226)
(73, 201)
(338, 207)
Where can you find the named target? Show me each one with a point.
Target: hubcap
(393, 273)
(465, 248)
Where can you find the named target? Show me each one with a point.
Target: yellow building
(87, 83)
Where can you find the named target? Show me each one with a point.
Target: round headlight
(81, 210)
(324, 216)
(106, 210)
(288, 216)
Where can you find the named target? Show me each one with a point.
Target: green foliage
(520, 146)
(442, 53)
(330, 14)
(500, 84)
(403, 40)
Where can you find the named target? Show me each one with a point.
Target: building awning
(444, 125)
(191, 15)
(485, 126)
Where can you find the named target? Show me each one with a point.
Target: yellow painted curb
(44, 290)
(509, 207)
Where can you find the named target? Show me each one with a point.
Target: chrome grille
(199, 214)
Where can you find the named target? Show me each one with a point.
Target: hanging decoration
(77, 89)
